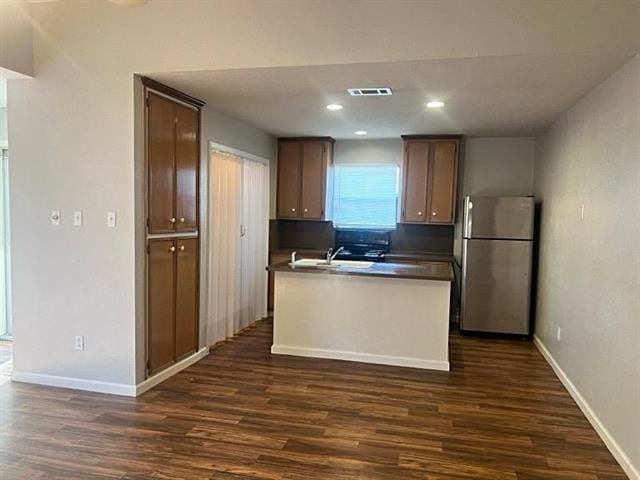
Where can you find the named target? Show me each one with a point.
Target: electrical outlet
(55, 217)
(79, 342)
(77, 218)
(559, 334)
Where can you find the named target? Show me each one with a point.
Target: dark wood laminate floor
(244, 414)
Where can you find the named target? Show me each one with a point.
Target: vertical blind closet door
(238, 225)
(254, 241)
(225, 201)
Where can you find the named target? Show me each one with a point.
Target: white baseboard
(108, 387)
(615, 449)
(74, 383)
(361, 357)
(160, 377)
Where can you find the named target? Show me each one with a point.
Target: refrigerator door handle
(468, 217)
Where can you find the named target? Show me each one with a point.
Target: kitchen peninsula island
(384, 313)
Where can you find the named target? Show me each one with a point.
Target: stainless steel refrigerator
(497, 249)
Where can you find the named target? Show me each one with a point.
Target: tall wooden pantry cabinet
(172, 154)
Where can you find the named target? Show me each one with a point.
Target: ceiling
(484, 96)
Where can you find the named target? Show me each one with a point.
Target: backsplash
(320, 236)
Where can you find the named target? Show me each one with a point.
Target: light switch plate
(55, 217)
(77, 218)
(111, 219)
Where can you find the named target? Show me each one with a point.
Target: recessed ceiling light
(360, 132)
(435, 104)
(334, 106)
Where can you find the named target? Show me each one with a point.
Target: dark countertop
(442, 272)
(390, 257)
(418, 257)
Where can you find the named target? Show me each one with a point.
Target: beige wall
(494, 166)
(16, 39)
(498, 166)
(589, 280)
(386, 150)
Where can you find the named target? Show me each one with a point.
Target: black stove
(367, 245)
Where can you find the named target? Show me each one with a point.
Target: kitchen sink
(314, 263)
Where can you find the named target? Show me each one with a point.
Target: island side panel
(391, 321)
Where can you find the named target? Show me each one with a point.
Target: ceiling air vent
(370, 92)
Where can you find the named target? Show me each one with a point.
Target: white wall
(16, 39)
(589, 279)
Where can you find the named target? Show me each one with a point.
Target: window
(365, 196)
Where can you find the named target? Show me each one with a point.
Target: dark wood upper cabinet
(161, 304)
(314, 173)
(187, 154)
(416, 181)
(186, 297)
(303, 170)
(161, 163)
(430, 179)
(289, 173)
(442, 191)
(173, 152)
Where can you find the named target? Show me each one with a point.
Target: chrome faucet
(331, 254)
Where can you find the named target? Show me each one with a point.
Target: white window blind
(365, 196)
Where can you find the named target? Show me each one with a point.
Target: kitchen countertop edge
(379, 270)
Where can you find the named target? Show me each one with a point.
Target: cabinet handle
(181, 219)
(172, 249)
(182, 248)
(172, 220)
(433, 214)
(420, 213)
(293, 209)
(306, 210)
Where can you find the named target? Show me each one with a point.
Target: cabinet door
(186, 297)
(161, 306)
(187, 155)
(161, 163)
(314, 180)
(416, 181)
(442, 192)
(289, 171)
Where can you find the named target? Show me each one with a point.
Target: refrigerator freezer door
(496, 285)
(499, 217)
